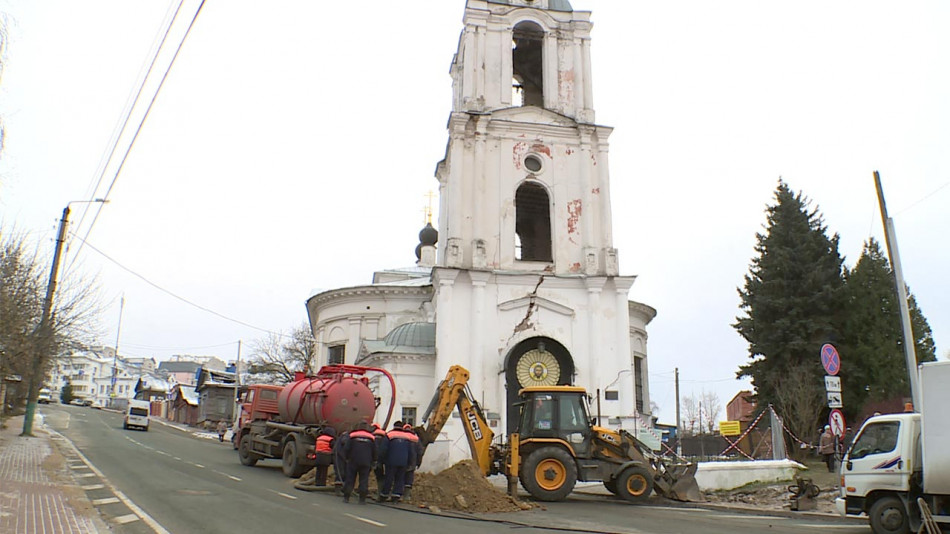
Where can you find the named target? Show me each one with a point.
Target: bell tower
(524, 184)
(526, 285)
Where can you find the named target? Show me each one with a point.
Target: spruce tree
(792, 304)
(874, 366)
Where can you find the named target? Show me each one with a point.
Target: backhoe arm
(452, 394)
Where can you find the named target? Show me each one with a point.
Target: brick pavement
(34, 494)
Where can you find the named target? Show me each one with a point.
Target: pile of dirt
(462, 487)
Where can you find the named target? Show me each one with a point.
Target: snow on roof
(189, 394)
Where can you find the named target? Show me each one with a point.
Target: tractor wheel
(244, 451)
(549, 474)
(611, 485)
(291, 466)
(888, 515)
(635, 484)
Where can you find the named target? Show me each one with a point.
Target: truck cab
(898, 461)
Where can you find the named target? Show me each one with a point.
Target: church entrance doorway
(536, 361)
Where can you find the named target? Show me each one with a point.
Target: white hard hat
(827, 427)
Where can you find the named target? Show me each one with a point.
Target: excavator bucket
(680, 483)
(685, 487)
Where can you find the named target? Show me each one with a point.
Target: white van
(45, 396)
(136, 415)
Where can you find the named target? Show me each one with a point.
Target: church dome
(412, 335)
(428, 235)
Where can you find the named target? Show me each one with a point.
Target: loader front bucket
(685, 487)
(678, 482)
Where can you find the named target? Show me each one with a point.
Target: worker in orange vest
(324, 450)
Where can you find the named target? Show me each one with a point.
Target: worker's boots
(362, 499)
(346, 497)
(407, 493)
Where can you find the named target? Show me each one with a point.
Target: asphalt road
(186, 484)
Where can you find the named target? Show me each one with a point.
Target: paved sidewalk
(36, 493)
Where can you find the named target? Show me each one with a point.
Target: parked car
(45, 396)
(81, 402)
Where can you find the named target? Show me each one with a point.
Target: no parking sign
(830, 359)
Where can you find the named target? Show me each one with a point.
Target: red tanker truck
(284, 421)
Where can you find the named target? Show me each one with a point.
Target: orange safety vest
(325, 443)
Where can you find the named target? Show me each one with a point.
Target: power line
(126, 116)
(138, 129)
(183, 299)
(925, 197)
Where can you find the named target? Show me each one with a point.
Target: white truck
(897, 458)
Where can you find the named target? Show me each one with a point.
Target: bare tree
(24, 345)
(799, 402)
(690, 408)
(275, 358)
(711, 410)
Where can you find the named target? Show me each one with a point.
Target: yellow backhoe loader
(556, 445)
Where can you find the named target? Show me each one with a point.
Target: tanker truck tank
(283, 422)
(338, 401)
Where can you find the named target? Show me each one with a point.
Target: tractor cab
(556, 413)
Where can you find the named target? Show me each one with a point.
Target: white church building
(521, 283)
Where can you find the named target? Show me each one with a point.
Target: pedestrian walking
(399, 457)
(826, 448)
(411, 469)
(360, 450)
(324, 450)
(382, 447)
(222, 430)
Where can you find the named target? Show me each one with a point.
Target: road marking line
(749, 516)
(123, 519)
(106, 500)
(177, 458)
(80, 466)
(125, 500)
(282, 494)
(85, 475)
(91, 487)
(369, 521)
(232, 477)
(199, 466)
(861, 527)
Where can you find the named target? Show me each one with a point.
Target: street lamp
(42, 331)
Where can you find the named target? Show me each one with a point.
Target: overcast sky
(293, 144)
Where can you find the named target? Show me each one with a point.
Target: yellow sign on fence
(729, 428)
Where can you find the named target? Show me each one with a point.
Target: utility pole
(890, 238)
(237, 390)
(679, 441)
(41, 340)
(115, 356)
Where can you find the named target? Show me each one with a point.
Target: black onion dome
(428, 236)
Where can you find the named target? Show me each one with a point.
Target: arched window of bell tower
(527, 84)
(532, 223)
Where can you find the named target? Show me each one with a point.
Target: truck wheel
(888, 516)
(292, 467)
(635, 484)
(549, 474)
(611, 485)
(244, 451)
